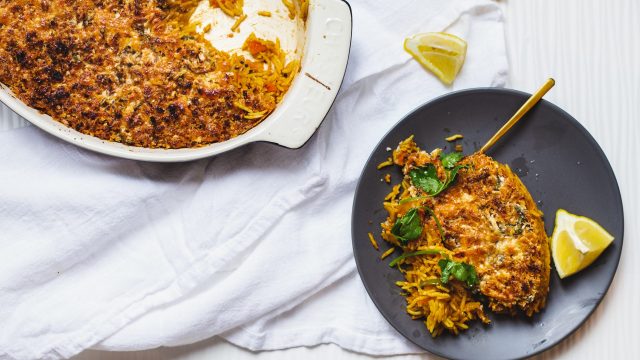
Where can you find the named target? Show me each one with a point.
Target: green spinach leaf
(409, 199)
(459, 270)
(438, 224)
(426, 178)
(415, 253)
(450, 160)
(408, 227)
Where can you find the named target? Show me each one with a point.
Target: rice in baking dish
(137, 72)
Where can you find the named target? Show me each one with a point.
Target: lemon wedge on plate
(441, 53)
(576, 242)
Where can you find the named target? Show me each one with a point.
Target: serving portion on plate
(468, 234)
(475, 232)
(134, 79)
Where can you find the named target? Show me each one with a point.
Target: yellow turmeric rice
(442, 307)
(138, 72)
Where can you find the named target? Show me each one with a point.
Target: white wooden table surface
(592, 49)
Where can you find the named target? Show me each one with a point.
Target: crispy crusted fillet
(490, 219)
(135, 71)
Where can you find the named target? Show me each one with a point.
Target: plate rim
(502, 91)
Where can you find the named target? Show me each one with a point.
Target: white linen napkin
(253, 245)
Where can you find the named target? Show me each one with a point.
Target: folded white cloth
(253, 245)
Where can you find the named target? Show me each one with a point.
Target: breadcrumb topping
(136, 72)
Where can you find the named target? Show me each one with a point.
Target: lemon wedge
(441, 53)
(576, 242)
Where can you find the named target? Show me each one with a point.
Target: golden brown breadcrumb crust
(491, 221)
(132, 71)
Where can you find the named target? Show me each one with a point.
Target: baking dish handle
(315, 88)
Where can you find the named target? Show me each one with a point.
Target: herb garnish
(419, 252)
(460, 271)
(429, 282)
(450, 160)
(408, 227)
(409, 199)
(440, 229)
(426, 177)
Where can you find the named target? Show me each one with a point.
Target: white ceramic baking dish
(326, 43)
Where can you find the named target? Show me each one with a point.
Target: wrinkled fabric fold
(253, 245)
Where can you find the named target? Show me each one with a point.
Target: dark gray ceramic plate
(561, 165)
